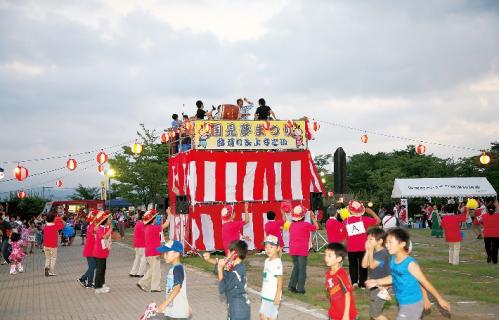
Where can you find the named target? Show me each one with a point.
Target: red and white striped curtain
(206, 176)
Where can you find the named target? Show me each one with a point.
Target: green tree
(142, 178)
(86, 193)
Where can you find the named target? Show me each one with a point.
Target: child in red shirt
(274, 227)
(50, 238)
(338, 285)
(336, 231)
(451, 224)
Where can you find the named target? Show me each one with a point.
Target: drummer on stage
(201, 113)
(244, 110)
(263, 112)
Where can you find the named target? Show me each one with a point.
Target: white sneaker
(51, 274)
(20, 269)
(13, 271)
(106, 286)
(101, 290)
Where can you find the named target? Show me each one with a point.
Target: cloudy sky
(81, 75)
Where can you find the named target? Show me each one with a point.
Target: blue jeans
(88, 277)
(299, 273)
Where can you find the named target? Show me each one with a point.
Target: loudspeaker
(340, 171)
(182, 205)
(315, 201)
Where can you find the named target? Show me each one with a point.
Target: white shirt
(271, 270)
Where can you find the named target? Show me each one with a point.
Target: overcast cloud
(78, 75)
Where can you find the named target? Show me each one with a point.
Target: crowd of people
(378, 252)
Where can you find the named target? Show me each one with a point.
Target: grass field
(472, 287)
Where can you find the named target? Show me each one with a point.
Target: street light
(109, 173)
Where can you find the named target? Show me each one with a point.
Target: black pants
(492, 247)
(100, 272)
(5, 250)
(357, 273)
(299, 273)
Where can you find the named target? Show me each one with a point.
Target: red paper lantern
(164, 138)
(101, 157)
(267, 125)
(71, 164)
(420, 149)
(100, 168)
(171, 134)
(316, 126)
(290, 124)
(21, 194)
(364, 138)
(58, 183)
(330, 194)
(20, 173)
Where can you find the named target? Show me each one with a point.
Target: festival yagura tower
(232, 162)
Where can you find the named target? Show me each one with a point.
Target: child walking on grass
(409, 282)
(338, 286)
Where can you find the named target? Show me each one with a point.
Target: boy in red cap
(356, 225)
(50, 241)
(299, 238)
(232, 230)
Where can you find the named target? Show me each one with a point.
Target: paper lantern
(267, 125)
(420, 149)
(101, 157)
(21, 194)
(20, 173)
(290, 124)
(330, 194)
(364, 138)
(370, 204)
(171, 134)
(472, 204)
(188, 126)
(71, 164)
(344, 213)
(137, 148)
(484, 158)
(100, 168)
(164, 138)
(316, 126)
(58, 183)
(2, 173)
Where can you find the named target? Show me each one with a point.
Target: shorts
(269, 309)
(376, 304)
(410, 311)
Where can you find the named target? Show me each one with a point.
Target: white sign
(356, 228)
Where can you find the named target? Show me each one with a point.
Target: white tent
(442, 188)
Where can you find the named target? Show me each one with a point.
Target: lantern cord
(335, 124)
(71, 154)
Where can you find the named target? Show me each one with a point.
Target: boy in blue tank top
(409, 282)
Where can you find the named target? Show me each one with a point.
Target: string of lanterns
(421, 148)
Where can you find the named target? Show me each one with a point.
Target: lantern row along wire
(70, 154)
(335, 124)
(57, 169)
(38, 185)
